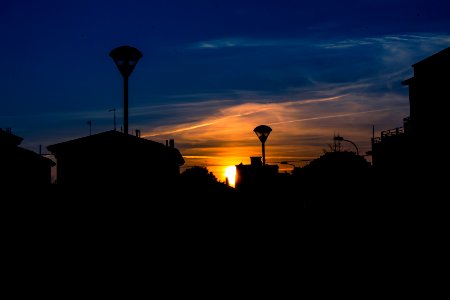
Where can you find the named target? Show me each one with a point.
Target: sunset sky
(214, 70)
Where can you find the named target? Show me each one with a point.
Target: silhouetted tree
(198, 181)
(336, 178)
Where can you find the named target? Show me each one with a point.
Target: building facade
(114, 161)
(22, 170)
(412, 153)
(256, 177)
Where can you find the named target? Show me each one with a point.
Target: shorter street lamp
(263, 131)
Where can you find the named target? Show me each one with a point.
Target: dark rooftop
(114, 139)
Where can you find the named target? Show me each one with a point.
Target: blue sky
(214, 70)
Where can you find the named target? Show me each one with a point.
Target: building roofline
(112, 133)
(10, 138)
(121, 138)
(435, 56)
(408, 81)
(36, 156)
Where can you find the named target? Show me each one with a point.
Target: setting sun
(230, 173)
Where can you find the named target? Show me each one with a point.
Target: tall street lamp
(125, 58)
(263, 131)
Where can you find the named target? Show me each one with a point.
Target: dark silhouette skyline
(211, 70)
(22, 170)
(118, 165)
(410, 155)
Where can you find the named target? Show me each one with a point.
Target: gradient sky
(214, 70)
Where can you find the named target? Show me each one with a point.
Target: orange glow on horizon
(302, 130)
(230, 173)
(223, 165)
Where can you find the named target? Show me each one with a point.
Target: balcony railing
(388, 133)
(392, 132)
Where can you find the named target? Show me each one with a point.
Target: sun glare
(230, 173)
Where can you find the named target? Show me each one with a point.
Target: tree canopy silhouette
(198, 180)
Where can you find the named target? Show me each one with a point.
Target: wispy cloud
(241, 110)
(244, 42)
(390, 40)
(430, 39)
(331, 116)
(305, 89)
(281, 66)
(301, 127)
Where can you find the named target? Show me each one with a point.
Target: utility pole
(114, 110)
(90, 126)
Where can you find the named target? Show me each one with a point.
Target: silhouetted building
(22, 169)
(114, 161)
(411, 152)
(428, 90)
(392, 153)
(256, 177)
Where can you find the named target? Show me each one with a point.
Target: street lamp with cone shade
(263, 131)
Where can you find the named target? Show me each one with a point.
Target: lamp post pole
(263, 153)
(125, 104)
(356, 147)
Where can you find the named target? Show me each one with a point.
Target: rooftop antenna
(90, 126)
(114, 110)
